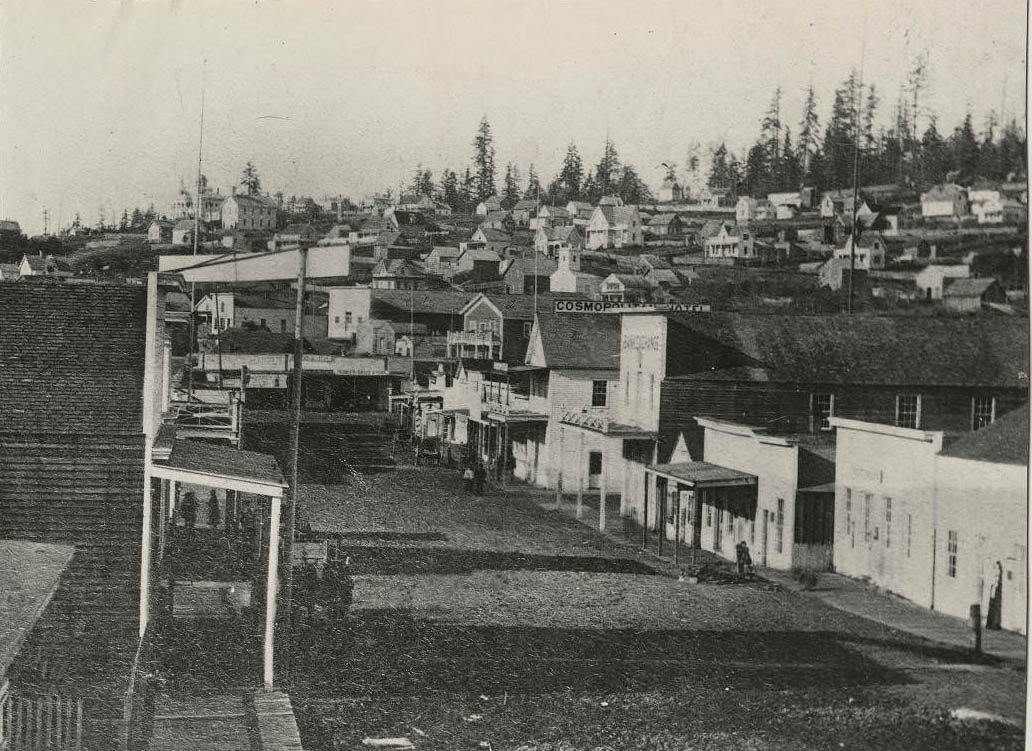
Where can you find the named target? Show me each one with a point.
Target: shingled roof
(591, 342)
(1003, 442)
(853, 349)
(71, 358)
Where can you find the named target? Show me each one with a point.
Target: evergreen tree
(607, 173)
(631, 188)
(964, 150)
(533, 191)
(839, 137)
(723, 170)
(136, 221)
(123, 223)
(250, 181)
(425, 186)
(449, 190)
(1013, 157)
(483, 161)
(511, 192)
(771, 133)
(934, 156)
(568, 184)
(791, 173)
(467, 193)
(809, 129)
(757, 178)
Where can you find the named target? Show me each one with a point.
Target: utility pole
(856, 169)
(197, 220)
(287, 557)
(46, 218)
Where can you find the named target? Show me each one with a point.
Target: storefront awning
(702, 475)
(220, 466)
(516, 417)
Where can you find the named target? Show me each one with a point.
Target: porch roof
(515, 417)
(704, 475)
(221, 466)
(601, 423)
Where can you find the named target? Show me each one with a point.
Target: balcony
(477, 344)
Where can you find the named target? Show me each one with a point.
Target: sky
(100, 101)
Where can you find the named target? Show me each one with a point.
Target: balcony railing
(473, 338)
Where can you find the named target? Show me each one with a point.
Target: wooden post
(645, 514)
(559, 471)
(677, 529)
(580, 478)
(270, 594)
(602, 492)
(295, 434)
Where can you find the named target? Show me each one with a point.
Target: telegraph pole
(287, 557)
(856, 169)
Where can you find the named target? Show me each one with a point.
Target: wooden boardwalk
(262, 722)
(201, 723)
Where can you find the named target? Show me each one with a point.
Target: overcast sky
(100, 100)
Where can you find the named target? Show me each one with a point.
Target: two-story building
(940, 520)
(550, 216)
(731, 244)
(750, 209)
(349, 307)
(614, 226)
(246, 212)
(787, 376)
(548, 241)
(274, 311)
(948, 201)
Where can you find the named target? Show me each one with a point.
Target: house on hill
(670, 191)
(664, 225)
(971, 295)
(160, 231)
(493, 203)
(524, 211)
(525, 276)
(625, 288)
(245, 212)
(442, 261)
(948, 201)
(478, 260)
(550, 216)
(615, 227)
(580, 214)
(548, 241)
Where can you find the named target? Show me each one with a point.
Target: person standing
(189, 510)
(214, 514)
(467, 478)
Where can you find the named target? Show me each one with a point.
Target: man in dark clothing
(214, 513)
(479, 475)
(189, 510)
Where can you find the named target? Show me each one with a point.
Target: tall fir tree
(533, 191)
(449, 190)
(483, 161)
(571, 177)
(511, 191)
(809, 134)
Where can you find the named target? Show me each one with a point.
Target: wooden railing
(40, 722)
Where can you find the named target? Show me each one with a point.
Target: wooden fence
(39, 722)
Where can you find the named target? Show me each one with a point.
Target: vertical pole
(976, 626)
(295, 433)
(559, 471)
(677, 529)
(645, 515)
(580, 478)
(602, 492)
(270, 594)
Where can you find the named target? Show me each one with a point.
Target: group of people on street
(331, 589)
(473, 477)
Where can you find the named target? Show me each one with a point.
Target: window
(283, 325)
(222, 307)
(983, 411)
(526, 329)
(598, 393)
(730, 522)
(888, 522)
(709, 516)
(595, 463)
(347, 320)
(780, 528)
(652, 388)
(849, 511)
(336, 319)
(908, 410)
(261, 321)
(951, 554)
(822, 407)
(867, 516)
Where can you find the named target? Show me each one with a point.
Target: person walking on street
(214, 514)
(467, 478)
(743, 558)
(479, 475)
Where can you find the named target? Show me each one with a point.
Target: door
(594, 469)
(763, 538)
(718, 524)
(1015, 597)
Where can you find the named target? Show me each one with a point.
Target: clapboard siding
(785, 408)
(73, 489)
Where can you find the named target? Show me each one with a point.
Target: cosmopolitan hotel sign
(614, 306)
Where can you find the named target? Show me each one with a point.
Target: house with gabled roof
(786, 376)
(492, 203)
(664, 225)
(969, 295)
(925, 540)
(548, 241)
(244, 212)
(495, 240)
(442, 261)
(525, 276)
(524, 210)
(615, 227)
(550, 216)
(38, 265)
(580, 213)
